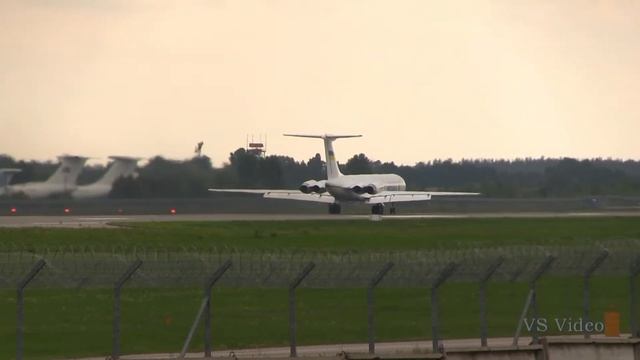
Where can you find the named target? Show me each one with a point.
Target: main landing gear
(378, 209)
(334, 209)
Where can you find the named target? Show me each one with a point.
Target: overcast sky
(419, 79)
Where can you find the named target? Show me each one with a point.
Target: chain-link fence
(82, 268)
(77, 268)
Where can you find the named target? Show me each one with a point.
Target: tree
(358, 164)
(316, 168)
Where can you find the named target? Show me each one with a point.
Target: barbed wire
(69, 267)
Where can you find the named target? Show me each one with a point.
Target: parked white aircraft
(374, 189)
(62, 181)
(121, 166)
(6, 175)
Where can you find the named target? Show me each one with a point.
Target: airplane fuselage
(35, 190)
(361, 187)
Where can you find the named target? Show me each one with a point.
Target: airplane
(6, 175)
(372, 189)
(121, 166)
(62, 181)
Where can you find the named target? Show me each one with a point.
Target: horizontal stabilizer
(325, 136)
(125, 158)
(10, 171)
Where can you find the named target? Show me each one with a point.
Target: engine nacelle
(313, 186)
(365, 189)
(371, 189)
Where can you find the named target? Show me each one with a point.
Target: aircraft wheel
(377, 209)
(334, 209)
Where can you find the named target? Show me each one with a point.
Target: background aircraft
(5, 178)
(374, 189)
(121, 166)
(62, 181)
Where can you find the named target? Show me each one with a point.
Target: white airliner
(374, 189)
(121, 166)
(62, 181)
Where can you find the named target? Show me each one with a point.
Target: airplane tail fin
(5, 178)
(68, 171)
(333, 171)
(121, 166)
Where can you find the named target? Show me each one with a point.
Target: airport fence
(79, 268)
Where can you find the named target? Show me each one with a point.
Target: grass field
(334, 235)
(63, 323)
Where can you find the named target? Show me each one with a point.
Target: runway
(417, 347)
(329, 351)
(72, 221)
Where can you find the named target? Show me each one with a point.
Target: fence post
(586, 291)
(483, 298)
(37, 267)
(292, 307)
(542, 268)
(435, 325)
(633, 301)
(207, 295)
(370, 304)
(523, 315)
(117, 287)
(205, 310)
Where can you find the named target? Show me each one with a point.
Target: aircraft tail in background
(121, 166)
(62, 181)
(5, 178)
(68, 171)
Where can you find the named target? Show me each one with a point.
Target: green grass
(66, 323)
(334, 235)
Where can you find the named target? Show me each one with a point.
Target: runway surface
(389, 348)
(422, 346)
(71, 221)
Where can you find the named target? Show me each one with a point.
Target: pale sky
(419, 79)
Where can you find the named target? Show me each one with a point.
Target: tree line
(530, 177)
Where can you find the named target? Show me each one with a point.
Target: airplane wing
(283, 194)
(247, 191)
(404, 196)
(296, 195)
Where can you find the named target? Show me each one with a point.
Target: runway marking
(108, 221)
(101, 219)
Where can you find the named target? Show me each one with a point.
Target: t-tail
(69, 170)
(121, 166)
(5, 179)
(333, 171)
